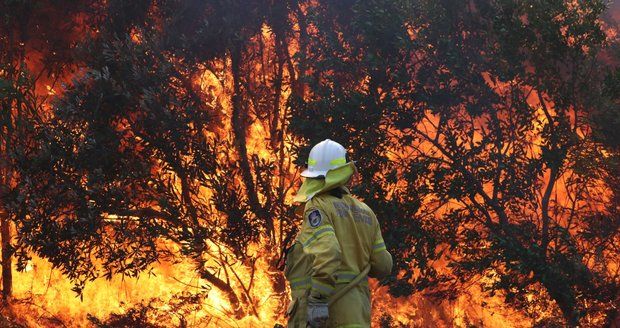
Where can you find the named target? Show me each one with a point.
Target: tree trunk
(561, 293)
(239, 125)
(7, 275)
(553, 175)
(5, 222)
(550, 275)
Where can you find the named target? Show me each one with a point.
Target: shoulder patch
(314, 218)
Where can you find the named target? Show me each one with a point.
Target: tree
(481, 109)
(137, 159)
(35, 51)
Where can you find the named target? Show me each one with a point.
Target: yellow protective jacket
(339, 236)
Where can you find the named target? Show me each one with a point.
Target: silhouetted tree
(469, 121)
(36, 39)
(135, 157)
(483, 131)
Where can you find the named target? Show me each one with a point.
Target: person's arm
(380, 258)
(319, 239)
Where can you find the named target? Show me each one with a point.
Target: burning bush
(480, 129)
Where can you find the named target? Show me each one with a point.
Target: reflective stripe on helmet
(338, 161)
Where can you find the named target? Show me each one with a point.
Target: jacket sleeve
(318, 239)
(380, 258)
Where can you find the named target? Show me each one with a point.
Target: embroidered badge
(314, 218)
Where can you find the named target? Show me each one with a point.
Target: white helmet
(324, 156)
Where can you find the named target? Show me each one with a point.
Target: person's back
(359, 235)
(339, 237)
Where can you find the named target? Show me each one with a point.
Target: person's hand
(318, 312)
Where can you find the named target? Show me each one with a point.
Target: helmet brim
(313, 174)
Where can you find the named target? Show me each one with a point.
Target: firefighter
(339, 237)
